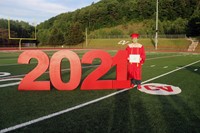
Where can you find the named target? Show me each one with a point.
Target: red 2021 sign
(91, 82)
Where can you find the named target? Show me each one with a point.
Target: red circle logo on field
(160, 89)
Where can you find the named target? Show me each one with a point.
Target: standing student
(136, 57)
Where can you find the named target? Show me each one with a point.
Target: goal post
(20, 39)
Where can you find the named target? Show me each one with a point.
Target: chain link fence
(172, 36)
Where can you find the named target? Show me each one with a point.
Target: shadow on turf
(178, 116)
(193, 69)
(129, 116)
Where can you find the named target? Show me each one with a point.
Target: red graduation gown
(135, 69)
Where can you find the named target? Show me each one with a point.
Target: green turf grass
(131, 111)
(180, 44)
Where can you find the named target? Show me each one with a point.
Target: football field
(103, 111)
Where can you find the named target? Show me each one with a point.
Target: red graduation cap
(135, 35)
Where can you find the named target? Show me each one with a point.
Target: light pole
(86, 37)
(86, 31)
(156, 37)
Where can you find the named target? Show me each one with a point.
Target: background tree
(175, 17)
(194, 24)
(56, 37)
(74, 35)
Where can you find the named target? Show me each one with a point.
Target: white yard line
(16, 76)
(171, 72)
(15, 64)
(85, 104)
(163, 57)
(15, 58)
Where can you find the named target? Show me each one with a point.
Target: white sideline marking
(152, 65)
(84, 104)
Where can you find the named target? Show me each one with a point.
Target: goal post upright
(20, 39)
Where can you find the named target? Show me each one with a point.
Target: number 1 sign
(91, 82)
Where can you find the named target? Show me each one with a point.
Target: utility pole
(156, 37)
(86, 41)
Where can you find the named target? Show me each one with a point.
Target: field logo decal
(160, 89)
(123, 42)
(3, 74)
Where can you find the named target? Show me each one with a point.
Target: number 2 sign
(91, 82)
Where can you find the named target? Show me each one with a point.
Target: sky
(37, 11)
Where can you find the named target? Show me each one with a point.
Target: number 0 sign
(91, 82)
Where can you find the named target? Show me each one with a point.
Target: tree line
(175, 17)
